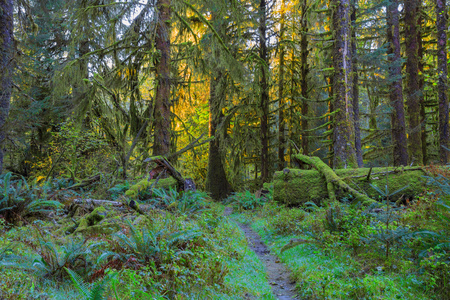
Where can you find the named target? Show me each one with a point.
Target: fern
(96, 292)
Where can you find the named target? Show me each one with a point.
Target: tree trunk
(161, 143)
(343, 132)
(216, 180)
(281, 102)
(423, 118)
(441, 24)
(358, 145)
(6, 61)
(412, 90)
(264, 105)
(304, 77)
(396, 93)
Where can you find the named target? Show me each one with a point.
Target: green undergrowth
(177, 246)
(327, 267)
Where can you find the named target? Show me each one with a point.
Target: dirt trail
(282, 286)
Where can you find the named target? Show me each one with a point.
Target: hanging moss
(295, 187)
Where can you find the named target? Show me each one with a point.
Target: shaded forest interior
(107, 84)
(221, 95)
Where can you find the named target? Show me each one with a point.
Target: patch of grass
(248, 273)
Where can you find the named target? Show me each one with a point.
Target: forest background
(100, 86)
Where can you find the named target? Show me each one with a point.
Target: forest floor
(283, 287)
(185, 246)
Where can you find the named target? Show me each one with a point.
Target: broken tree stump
(164, 167)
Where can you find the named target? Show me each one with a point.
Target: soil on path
(282, 286)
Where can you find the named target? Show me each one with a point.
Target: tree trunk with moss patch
(264, 86)
(398, 126)
(161, 143)
(216, 180)
(358, 143)
(343, 132)
(412, 90)
(281, 101)
(6, 61)
(441, 25)
(304, 79)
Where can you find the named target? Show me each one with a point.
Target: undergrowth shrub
(436, 269)
(287, 221)
(19, 200)
(245, 201)
(188, 202)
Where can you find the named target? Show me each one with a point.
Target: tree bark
(343, 132)
(358, 144)
(421, 53)
(281, 102)
(412, 90)
(304, 78)
(264, 86)
(398, 126)
(6, 67)
(162, 100)
(216, 180)
(441, 24)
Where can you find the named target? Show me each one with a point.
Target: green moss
(295, 187)
(142, 185)
(94, 222)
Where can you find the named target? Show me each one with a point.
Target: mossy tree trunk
(412, 90)
(398, 126)
(355, 86)
(343, 131)
(161, 143)
(421, 53)
(264, 87)
(304, 72)
(6, 60)
(442, 24)
(281, 101)
(216, 180)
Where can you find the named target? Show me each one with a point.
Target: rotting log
(332, 179)
(295, 187)
(163, 166)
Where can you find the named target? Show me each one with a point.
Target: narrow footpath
(278, 275)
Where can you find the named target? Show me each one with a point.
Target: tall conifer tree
(343, 131)
(412, 90)
(442, 24)
(395, 92)
(264, 87)
(6, 61)
(162, 99)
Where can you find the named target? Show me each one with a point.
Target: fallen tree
(295, 186)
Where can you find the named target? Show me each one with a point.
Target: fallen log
(163, 166)
(296, 187)
(333, 180)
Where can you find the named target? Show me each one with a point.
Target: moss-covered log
(333, 180)
(295, 187)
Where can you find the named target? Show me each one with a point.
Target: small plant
(188, 202)
(386, 232)
(97, 291)
(246, 201)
